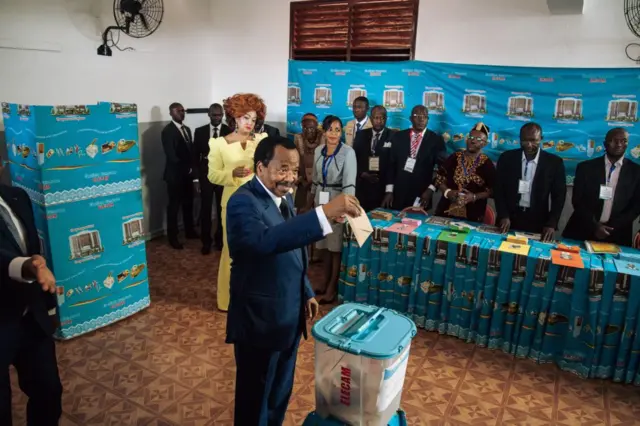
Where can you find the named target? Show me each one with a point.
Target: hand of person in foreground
(342, 205)
(312, 308)
(36, 269)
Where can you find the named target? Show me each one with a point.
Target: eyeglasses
(420, 115)
(477, 138)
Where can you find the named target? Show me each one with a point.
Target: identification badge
(409, 165)
(524, 186)
(374, 164)
(606, 192)
(324, 198)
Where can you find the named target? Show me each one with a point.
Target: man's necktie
(284, 209)
(415, 142)
(374, 144)
(215, 132)
(185, 135)
(358, 127)
(6, 217)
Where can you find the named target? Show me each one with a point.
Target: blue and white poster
(80, 165)
(575, 107)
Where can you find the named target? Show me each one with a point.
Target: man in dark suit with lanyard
(179, 175)
(28, 314)
(372, 147)
(530, 187)
(606, 195)
(415, 154)
(216, 128)
(271, 296)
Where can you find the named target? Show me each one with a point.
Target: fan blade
(144, 21)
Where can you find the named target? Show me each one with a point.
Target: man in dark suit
(530, 186)
(179, 175)
(606, 195)
(262, 127)
(28, 314)
(415, 154)
(216, 128)
(372, 147)
(270, 293)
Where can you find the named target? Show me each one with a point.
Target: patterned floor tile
(170, 366)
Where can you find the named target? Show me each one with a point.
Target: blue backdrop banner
(80, 165)
(575, 107)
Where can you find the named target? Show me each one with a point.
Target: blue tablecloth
(584, 320)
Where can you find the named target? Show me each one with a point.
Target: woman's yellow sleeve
(218, 174)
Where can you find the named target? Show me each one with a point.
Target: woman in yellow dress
(231, 166)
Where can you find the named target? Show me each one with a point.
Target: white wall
(174, 64)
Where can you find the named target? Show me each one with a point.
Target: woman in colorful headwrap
(466, 179)
(306, 142)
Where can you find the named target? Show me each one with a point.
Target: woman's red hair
(241, 103)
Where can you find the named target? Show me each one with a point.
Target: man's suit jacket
(590, 175)
(409, 186)
(269, 284)
(370, 195)
(18, 296)
(549, 182)
(271, 131)
(350, 130)
(179, 155)
(201, 149)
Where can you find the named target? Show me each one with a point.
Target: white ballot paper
(361, 227)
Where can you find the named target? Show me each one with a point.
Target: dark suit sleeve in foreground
(558, 193)
(631, 212)
(247, 232)
(169, 146)
(585, 218)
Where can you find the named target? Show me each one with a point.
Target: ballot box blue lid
(365, 330)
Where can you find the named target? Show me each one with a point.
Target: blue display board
(80, 165)
(575, 107)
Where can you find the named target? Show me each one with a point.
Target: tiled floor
(169, 366)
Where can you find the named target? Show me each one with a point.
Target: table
(584, 320)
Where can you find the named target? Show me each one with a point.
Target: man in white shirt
(28, 314)
(271, 296)
(530, 186)
(606, 195)
(214, 129)
(360, 122)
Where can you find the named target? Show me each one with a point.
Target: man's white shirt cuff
(15, 269)
(324, 222)
(388, 188)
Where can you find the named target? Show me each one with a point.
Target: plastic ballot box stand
(361, 355)
(313, 419)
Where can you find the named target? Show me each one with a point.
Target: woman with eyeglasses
(334, 173)
(466, 178)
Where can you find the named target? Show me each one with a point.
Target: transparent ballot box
(360, 365)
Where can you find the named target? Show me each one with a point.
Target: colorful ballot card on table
(439, 221)
(402, 228)
(628, 266)
(489, 229)
(598, 247)
(515, 245)
(569, 256)
(450, 236)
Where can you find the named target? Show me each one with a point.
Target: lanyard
(611, 170)
(326, 162)
(475, 163)
(526, 168)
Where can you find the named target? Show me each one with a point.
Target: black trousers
(264, 383)
(209, 192)
(24, 345)
(180, 193)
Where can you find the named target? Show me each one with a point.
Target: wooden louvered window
(353, 30)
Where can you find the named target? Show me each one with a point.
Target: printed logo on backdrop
(24, 112)
(322, 96)
(474, 103)
(123, 110)
(520, 106)
(340, 72)
(6, 109)
(393, 98)
(293, 94)
(70, 112)
(433, 100)
(133, 230)
(355, 91)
